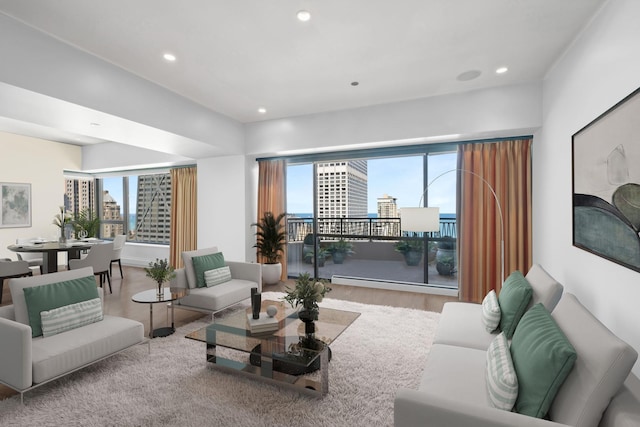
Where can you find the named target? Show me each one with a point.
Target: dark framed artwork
(16, 205)
(606, 184)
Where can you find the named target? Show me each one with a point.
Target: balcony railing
(361, 228)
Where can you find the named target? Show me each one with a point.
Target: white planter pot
(271, 273)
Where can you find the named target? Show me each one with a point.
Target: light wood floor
(119, 302)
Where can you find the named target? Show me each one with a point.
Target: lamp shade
(420, 219)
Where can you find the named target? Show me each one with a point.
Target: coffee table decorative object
(279, 356)
(306, 295)
(160, 271)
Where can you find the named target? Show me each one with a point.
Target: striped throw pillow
(217, 276)
(491, 311)
(70, 316)
(501, 379)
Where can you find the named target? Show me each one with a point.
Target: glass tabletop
(232, 330)
(151, 296)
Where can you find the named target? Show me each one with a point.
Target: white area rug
(383, 350)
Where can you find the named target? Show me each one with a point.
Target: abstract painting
(606, 184)
(16, 205)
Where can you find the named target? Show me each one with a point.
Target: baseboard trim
(394, 286)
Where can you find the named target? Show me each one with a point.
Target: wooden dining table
(50, 251)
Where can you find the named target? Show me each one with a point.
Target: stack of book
(263, 324)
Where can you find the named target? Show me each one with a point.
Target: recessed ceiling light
(262, 110)
(468, 75)
(502, 70)
(94, 124)
(303, 15)
(169, 57)
(355, 83)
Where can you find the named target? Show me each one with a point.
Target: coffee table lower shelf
(314, 385)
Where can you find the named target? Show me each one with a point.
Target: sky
(114, 186)
(399, 177)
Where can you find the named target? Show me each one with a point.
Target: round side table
(151, 297)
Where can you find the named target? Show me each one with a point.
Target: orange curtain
(506, 167)
(184, 214)
(272, 195)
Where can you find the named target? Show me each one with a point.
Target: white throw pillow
(501, 379)
(491, 311)
(71, 316)
(217, 276)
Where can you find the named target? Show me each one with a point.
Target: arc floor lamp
(427, 219)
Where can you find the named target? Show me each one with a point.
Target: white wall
(40, 163)
(223, 217)
(600, 69)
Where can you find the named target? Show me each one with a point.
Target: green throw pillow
(205, 263)
(54, 295)
(514, 299)
(543, 358)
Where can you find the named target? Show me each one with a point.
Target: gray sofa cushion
(217, 297)
(61, 353)
(604, 362)
(188, 263)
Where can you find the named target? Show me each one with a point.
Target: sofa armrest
(246, 271)
(16, 367)
(414, 408)
(180, 281)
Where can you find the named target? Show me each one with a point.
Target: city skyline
(398, 177)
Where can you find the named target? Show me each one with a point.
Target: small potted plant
(271, 239)
(446, 256)
(340, 250)
(61, 220)
(307, 294)
(411, 249)
(323, 254)
(160, 271)
(86, 224)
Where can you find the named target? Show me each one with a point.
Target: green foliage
(61, 219)
(308, 292)
(270, 237)
(409, 245)
(447, 243)
(160, 271)
(86, 220)
(323, 253)
(341, 246)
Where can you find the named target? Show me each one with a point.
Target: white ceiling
(235, 56)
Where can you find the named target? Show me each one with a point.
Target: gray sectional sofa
(210, 299)
(598, 391)
(28, 359)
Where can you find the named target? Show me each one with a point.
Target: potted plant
(411, 249)
(86, 224)
(160, 271)
(307, 294)
(446, 256)
(61, 220)
(340, 250)
(307, 247)
(446, 266)
(271, 239)
(323, 254)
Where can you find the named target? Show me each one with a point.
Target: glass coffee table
(282, 356)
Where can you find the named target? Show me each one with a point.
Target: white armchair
(99, 258)
(118, 244)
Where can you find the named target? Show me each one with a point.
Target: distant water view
(132, 221)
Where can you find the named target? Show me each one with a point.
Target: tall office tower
(79, 194)
(153, 208)
(342, 189)
(387, 207)
(111, 212)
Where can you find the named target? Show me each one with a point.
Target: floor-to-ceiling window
(345, 217)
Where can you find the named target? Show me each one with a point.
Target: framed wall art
(606, 184)
(16, 205)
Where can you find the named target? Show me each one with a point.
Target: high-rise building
(342, 189)
(79, 195)
(153, 208)
(387, 207)
(111, 212)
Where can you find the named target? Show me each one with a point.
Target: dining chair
(99, 257)
(34, 259)
(118, 244)
(10, 269)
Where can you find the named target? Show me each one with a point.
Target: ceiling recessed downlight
(169, 57)
(262, 110)
(468, 75)
(303, 15)
(501, 70)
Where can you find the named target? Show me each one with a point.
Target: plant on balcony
(271, 239)
(411, 249)
(340, 250)
(446, 256)
(446, 266)
(323, 254)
